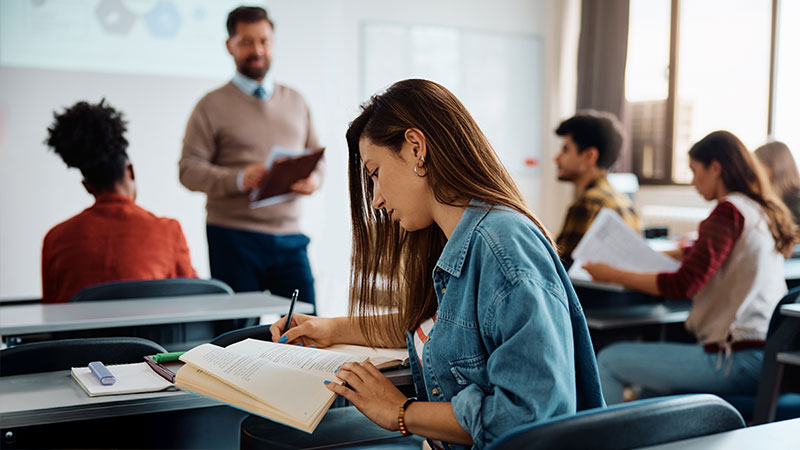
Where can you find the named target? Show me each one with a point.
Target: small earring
(420, 165)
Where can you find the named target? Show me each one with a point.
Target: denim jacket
(510, 344)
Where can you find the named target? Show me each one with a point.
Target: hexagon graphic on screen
(164, 20)
(114, 17)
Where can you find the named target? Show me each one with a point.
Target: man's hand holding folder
(285, 176)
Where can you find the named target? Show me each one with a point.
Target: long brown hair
(785, 177)
(392, 268)
(741, 172)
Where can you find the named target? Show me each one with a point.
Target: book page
(286, 377)
(131, 378)
(380, 357)
(321, 361)
(609, 240)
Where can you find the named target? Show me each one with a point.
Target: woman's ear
(715, 167)
(417, 140)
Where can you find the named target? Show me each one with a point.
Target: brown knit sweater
(228, 130)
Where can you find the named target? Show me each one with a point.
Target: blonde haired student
(442, 236)
(733, 274)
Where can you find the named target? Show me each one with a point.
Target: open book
(131, 378)
(284, 383)
(609, 240)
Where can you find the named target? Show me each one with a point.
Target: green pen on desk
(167, 357)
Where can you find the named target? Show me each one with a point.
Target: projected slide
(161, 37)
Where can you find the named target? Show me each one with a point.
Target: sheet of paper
(377, 356)
(611, 241)
(131, 378)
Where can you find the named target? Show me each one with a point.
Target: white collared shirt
(249, 85)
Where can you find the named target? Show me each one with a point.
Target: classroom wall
(317, 52)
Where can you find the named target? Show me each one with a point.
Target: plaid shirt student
(598, 195)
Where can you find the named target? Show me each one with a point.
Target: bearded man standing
(229, 136)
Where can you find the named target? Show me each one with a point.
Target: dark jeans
(251, 261)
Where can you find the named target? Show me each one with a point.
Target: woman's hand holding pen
(371, 392)
(306, 330)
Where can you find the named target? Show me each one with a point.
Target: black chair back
(170, 287)
(257, 332)
(50, 356)
(777, 318)
(628, 425)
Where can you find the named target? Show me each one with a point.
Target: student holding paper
(733, 274)
(591, 144)
(442, 236)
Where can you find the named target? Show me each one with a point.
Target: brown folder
(285, 172)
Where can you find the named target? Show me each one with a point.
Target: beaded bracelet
(401, 422)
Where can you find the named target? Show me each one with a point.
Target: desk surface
(791, 271)
(41, 318)
(776, 435)
(791, 310)
(54, 397)
(636, 315)
(610, 287)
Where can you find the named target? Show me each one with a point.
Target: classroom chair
(49, 356)
(627, 425)
(170, 287)
(173, 336)
(787, 405)
(231, 337)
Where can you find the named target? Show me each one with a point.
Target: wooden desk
(41, 318)
(54, 397)
(777, 436)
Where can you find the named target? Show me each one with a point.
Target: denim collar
(249, 85)
(455, 251)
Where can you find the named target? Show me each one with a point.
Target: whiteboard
(499, 76)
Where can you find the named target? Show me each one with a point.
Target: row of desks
(30, 318)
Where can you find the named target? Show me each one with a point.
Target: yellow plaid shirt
(598, 195)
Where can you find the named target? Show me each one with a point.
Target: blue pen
(291, 311)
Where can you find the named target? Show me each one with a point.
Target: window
(699, 66)
(786, 114)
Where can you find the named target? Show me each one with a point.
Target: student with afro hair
(114, 239)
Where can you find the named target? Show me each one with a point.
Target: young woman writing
(442, 236)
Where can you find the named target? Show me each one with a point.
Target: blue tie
(260, 92)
